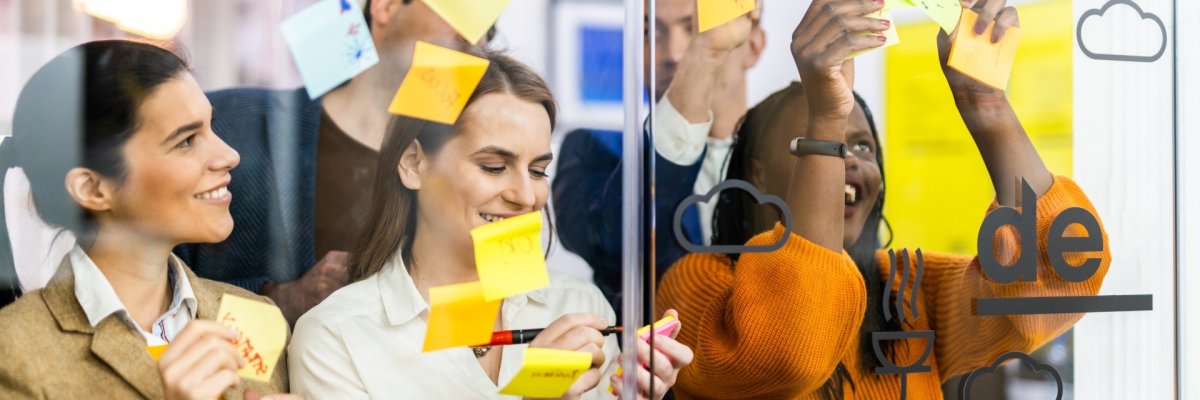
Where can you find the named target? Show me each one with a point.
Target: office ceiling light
(154, 19)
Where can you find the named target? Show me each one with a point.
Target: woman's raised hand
(1005, 17)
(822, 43)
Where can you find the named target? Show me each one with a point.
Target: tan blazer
(48, 350)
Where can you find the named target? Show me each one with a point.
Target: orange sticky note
(713, 13)
(979, 58)
(509, 257)
(438, 85)
(156, 351)
(893, 37)
(471, 18)
(547, 373)
(459, 316)
(262, 334)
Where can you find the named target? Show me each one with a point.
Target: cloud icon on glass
(759, 198)
(964, 387)
(1121, 31)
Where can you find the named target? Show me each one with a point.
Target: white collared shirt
(365, 341)
(682, 142)
(99, 300)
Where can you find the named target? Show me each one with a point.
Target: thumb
(848, 72)
(250, 394)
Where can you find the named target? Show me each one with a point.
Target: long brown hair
(392, 216)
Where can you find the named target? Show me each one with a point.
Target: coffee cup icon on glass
(900, 266)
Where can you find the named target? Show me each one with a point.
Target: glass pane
(503, 110)
(961, 275)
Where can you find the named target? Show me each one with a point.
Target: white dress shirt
(99, 300)
(37, 247)
(365, 341)
(682, 142)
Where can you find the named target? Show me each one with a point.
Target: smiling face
(177, 170)
(864, 179)
(493, 168)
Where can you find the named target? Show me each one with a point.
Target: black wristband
(801, 147)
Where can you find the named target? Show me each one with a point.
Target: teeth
(851, 194)
(218, 193)
(490, 217)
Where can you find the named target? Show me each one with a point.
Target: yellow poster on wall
(937, 186)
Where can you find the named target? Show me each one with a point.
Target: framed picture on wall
(586, 63)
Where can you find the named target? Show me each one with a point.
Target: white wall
(1123, 159)
(1187, 87)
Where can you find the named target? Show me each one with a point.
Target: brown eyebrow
(509, 155)
(182, 130)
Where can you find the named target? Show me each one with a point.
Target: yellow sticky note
(944, 12)
(156, 351)
(547, 373)
(459, 316)
(471, 18)
(713, 13)
(979, 58)
(892, 36)
(262, 334)
(509, 257)
(438, 84)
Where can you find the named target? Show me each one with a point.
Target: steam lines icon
(900, 265)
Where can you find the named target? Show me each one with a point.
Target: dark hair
(733, 224)
(392, 213)
(79, 110)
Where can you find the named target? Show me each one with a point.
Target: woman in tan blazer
(116, 140)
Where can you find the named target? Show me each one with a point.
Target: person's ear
(412, 163)
(755, 45)
(90, 190)
(384, 11)
(758, 175)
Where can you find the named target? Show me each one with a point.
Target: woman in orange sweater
(796, 322)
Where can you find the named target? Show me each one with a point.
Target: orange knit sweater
(777, 324)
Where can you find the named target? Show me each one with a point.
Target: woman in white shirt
(435, 183)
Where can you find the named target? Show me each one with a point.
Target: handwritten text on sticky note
(713, 13)
(329, 44)
(471, 18)
(979, 58)
(944, 12)
(547, 373)
(438, 85)
(508, 256)
(459, 316)
(262, 334)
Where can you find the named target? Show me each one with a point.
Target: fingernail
(610, 390)
(878, 1)
(620, 371)
(980, 27)
(882, 38)
(887, 23)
